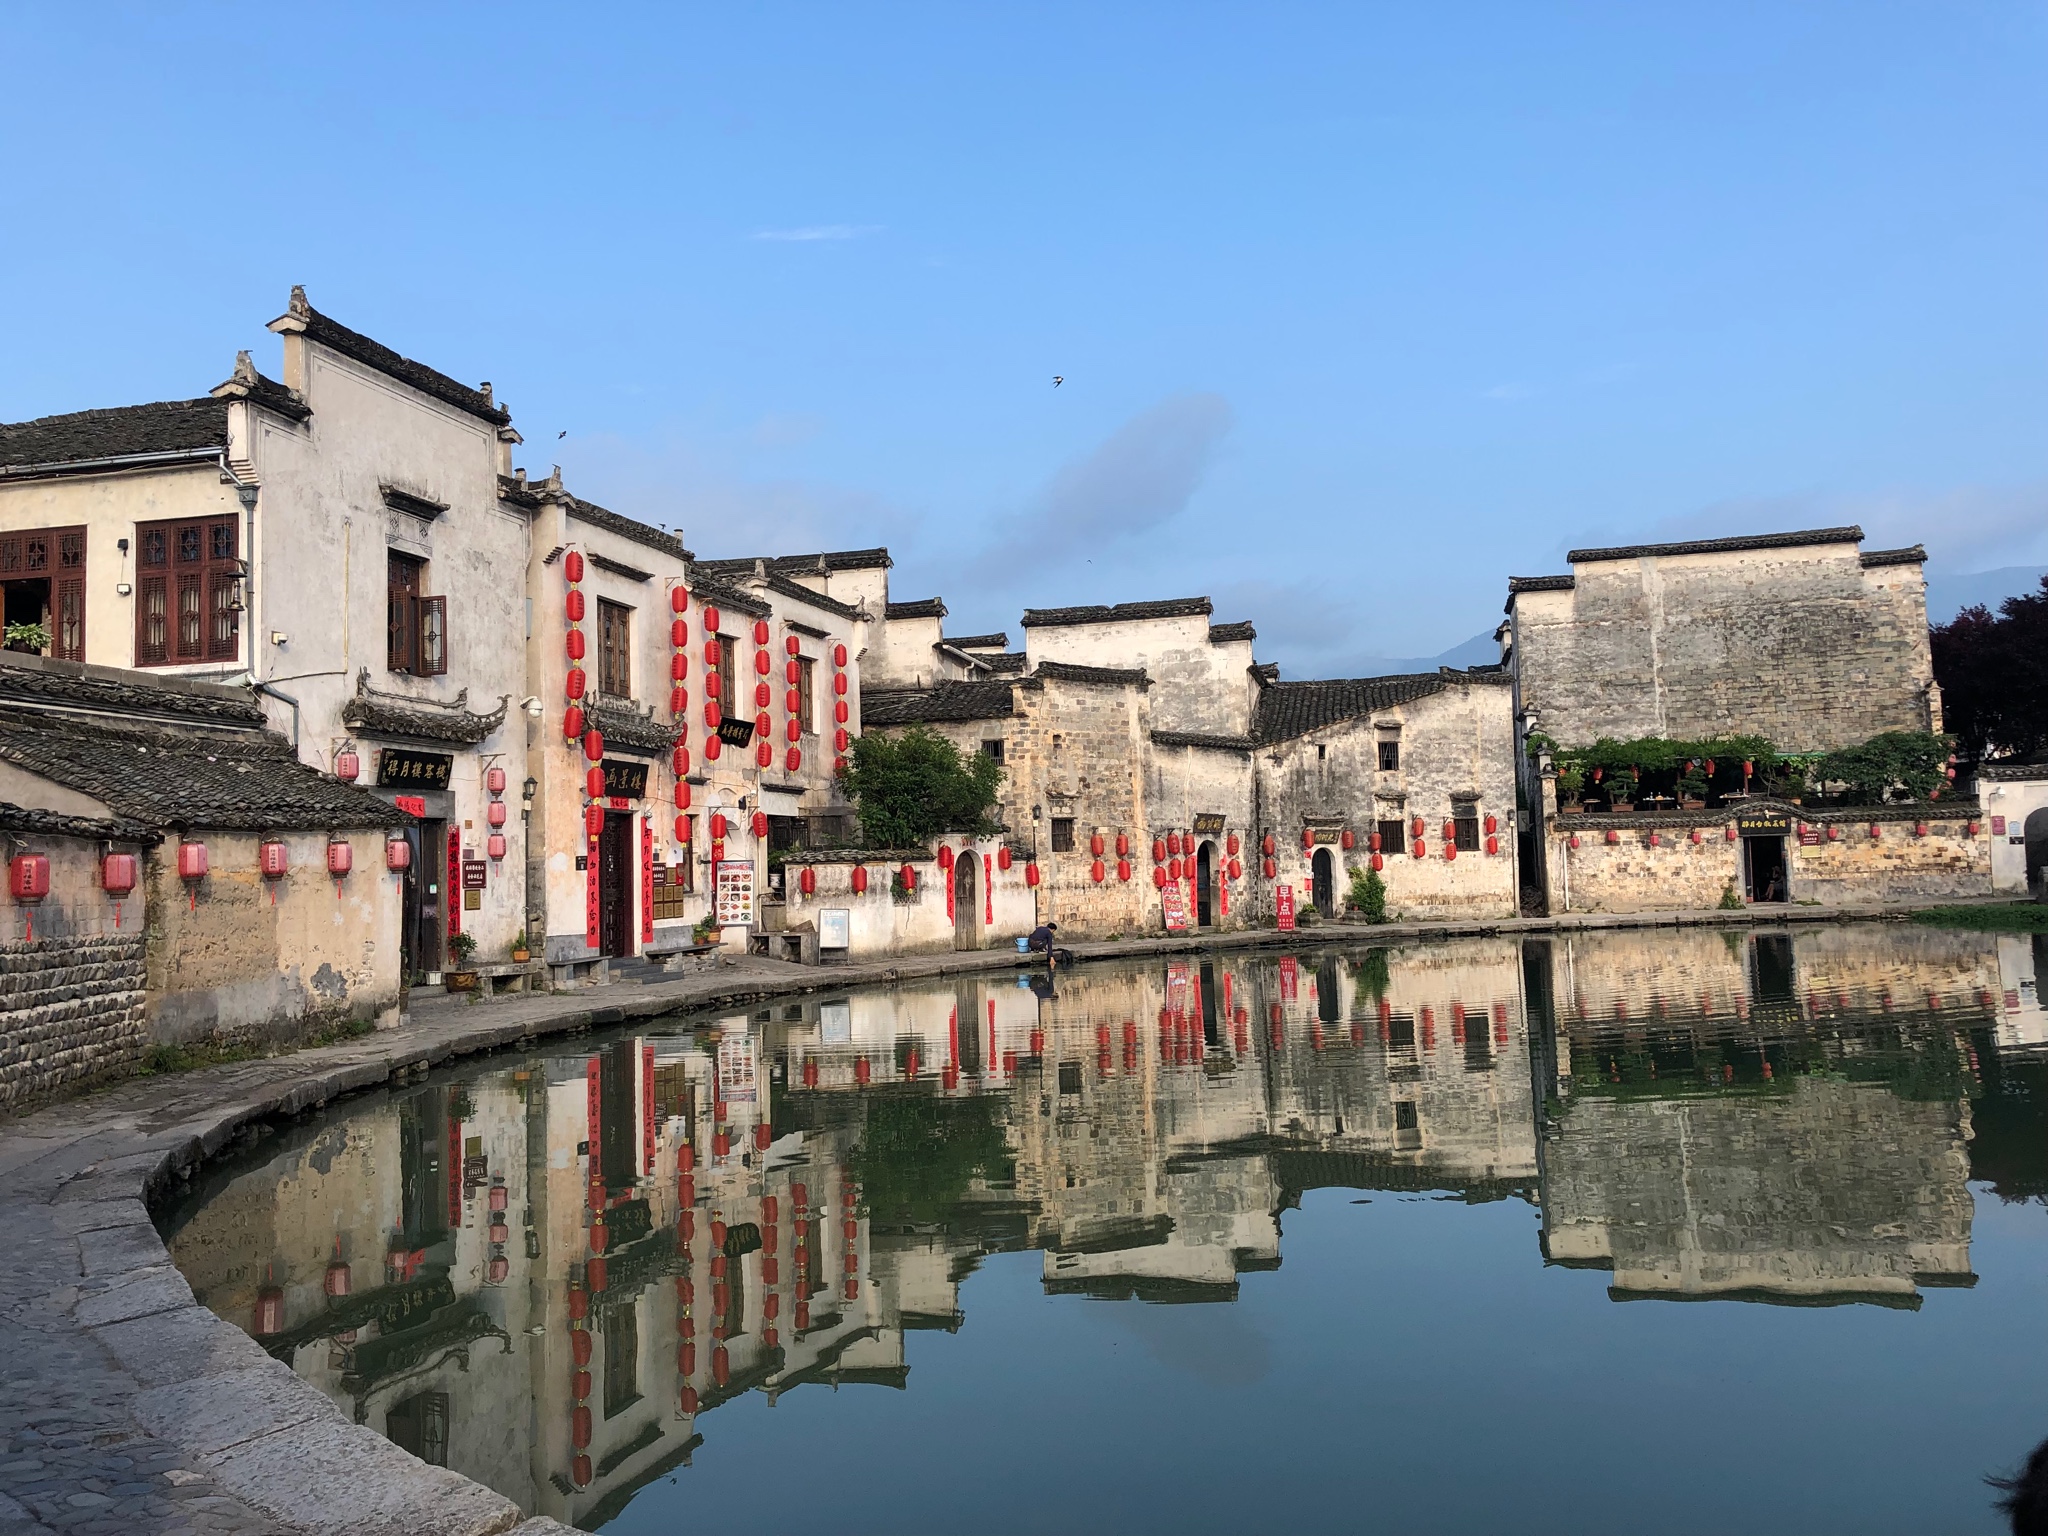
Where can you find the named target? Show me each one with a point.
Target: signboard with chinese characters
(834, 928)
(733, 893)
(475, 873)
(1209, 824)
(1998, 826)
(735, 732)
(736, 1068)
(1763, 823)
(624, 779)
(1173, 902)
(1283, 907)
(401, 768)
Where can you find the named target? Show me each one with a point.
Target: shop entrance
(1325, 885)
(616, 877)
(1764, 871)
(422, 926)
(967, 901)
(1205, 886)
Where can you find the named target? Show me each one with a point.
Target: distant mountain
(1480, 651)
(1949, 595)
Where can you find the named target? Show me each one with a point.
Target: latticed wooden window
(188, 604)
(53, 558)
(416, 626)
(614, 649)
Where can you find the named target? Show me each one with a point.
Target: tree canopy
(911, 788)
(1993, 672)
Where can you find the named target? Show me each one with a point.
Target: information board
(834, 927)
(733, 895)
(1283, 907)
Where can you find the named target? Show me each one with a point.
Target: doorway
(967, 901)
(1763, 860)
(615, 881)
(1205, 886)
(421, 929)
(2036, 830)
(1324, 865)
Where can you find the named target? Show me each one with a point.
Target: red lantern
(1493, 845)
(762, 724)
(1834, 834)
(1173, 869)
(840, 713)
(1875, 831)
(1031, 874)
(839, 682)
(762, 663)
(712, 748)
(1096, 871)
(945, 857)
(1308, 839)
(574, 644)
(713, 654)
(272, 859)
(572, 566)
(793, 759)
(1729, 834)
(1450, 831)
(341, 857)
(764, 754)
(495, 813)
(593, 783)
(1379, 861)
(1347, 840)
(1123, 869)
(860, 880)
(28, 876)
(1095, 845)
(347, 766)
(1158, 877)
(712, 619)
(1492, 824)
(1420, 849)
(593, 818)
(397, 853)
(909, 874)
(713, 718)
(678, 600)
(494, 845)
(574, 683)
(760, 823)
(1267, 846)
(1655, 840)
(1417, 827)
(1920, 828)
(1004, 858)
(117, 874)
(1613, 836)
(1695, 835)
(760, 631)
(573, 606)
(807, 881)
(191, 863)
(682, 829)
(682, 797)
(1236, 870)
(572, 722)
(1450, 851)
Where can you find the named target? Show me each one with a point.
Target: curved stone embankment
(126, 1407)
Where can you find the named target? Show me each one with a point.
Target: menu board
(1173, 902)
(733, 895)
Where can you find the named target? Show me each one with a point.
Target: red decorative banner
(593, 900)
(451, 891)
(646, 880)
(647, 1108)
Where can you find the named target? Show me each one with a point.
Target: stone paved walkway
(125, 1407)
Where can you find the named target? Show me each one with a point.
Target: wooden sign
(474, 873)
(1283, 907)
(1209, 825)
(624, 778)
(735, 732)
(399, 768)
(1763, 823)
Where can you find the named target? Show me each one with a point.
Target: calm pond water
(1683, 1231)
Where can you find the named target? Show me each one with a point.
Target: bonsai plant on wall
(459, 977)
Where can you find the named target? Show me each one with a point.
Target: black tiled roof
(942, 701)
(1288, 710)
(384, 714)
(1536, 584)
(718, 594)
(1267, 672)
(273, 396)
(796, 591)
(1223, 634)
(630, 731)
(1197, 739)
(1912, 555)
(24, 819)
(995, 642)
(61, 684)
(335, 336)
(1062, 671)
(1169, 608)
(122, 431)
(178, 778)
(919, 608)
(1794, 540)
(625, 527)
(1005, 661)
(827, 560)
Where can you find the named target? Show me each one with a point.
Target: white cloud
(809, 232)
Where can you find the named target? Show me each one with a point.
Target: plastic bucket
(1023, 945)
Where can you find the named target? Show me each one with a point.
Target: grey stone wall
(71, 1009)
(1804, 646)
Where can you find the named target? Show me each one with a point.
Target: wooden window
(806, 697)
(188, 592)
(621, 1360)
(1390, 754)
(1393, 836)
(1465, 826)
(416, 626)
(614, 649)
(992, 749)
(44, 574)
(728, 680)
(419, 1424)
(1063, 834)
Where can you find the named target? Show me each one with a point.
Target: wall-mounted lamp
(122, 589)
(530, 788)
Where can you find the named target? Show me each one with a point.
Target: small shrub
(1369, 894)
(1731, 900)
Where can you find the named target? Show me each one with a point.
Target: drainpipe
(286, 698)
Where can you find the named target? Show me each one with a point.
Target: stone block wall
(71, 1010)
(1805, 646)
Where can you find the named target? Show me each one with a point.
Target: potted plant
(520, 952)
(1571, 785)
(1692, 790)
(32, 638)
(458, 977)
(1621, 790)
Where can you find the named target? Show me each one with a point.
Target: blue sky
(1360, 309)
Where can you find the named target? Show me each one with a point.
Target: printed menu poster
(734, 898)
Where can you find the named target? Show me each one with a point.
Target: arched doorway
(1205, 886)
(2037, 853)
(1324, 866)
(967, 902)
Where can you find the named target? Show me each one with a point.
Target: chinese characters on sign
(1173, 901)
(399, 769)
(733, 898)
(1283, 907)
(833, 926)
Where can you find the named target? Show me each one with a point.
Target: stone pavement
(125, 1407)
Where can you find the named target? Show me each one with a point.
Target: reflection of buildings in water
(2022, 1017)
(1800, 1132)
(626, 1239)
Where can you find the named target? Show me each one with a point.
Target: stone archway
(1324, 885)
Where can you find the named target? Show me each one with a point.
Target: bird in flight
(561, 434)
(1058, 380)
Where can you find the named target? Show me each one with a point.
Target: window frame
(1465, 826)
(1390, 748)
(204, 587)
(614, 649)
(807, 695)
(728, 678)
(993, 748)
(1393, 834)
(1063, 834)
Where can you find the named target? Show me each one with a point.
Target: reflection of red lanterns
(339, 1280)
(579, 1471)
(579, 1426)
(269, 1311)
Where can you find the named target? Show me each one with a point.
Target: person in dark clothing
(1041, 942)
(2026, 1496)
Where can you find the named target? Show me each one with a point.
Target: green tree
(1369, 893)
(1914, 761)
(911, 788)
(1993, 673)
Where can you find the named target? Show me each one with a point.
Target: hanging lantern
(1346, 840)
(679, 633)
(764, 754)
(860, 880)
(762, 663)
(1267, 846)
(682, 829)
(593, 783)
(1123, 869)
(574, 684)
(272, 859)
(28, 876)
(839, 683)
(712, 748)
(1450, 831)
(191, 863)
(1379, 861)
(1158, 877)
(1031, 874)
(945, 857)
(1450, 852)
(494, 845)
(494, 780)
(1308, 839)
(117, 874)
(839, 655)
(679, 759)
(574, 644)
(909, 877)
(678, 600)
(1270, 869)
(840, 713)
(841, 740)
(1613, 836)
(495, 813)
(760, 823)
(712, 620)
(572, 722)
(1875, 831)
(1834, 834)
(1096, 845)
(1236, 870)
(1003, 858)
(397, 853)
(1096, 871)
(1492, 824)
(1173, 869)
(1420, 849)
(1493, 845)
(682, 797)
(807, 881)
(1695, 835)
(341, 856)
(713, 718)
(1417, 827)
(718, 827)
(347, 766)
(572, 566)
(1655, 840)
(573, 606)
(593, 818)
(1729, 834)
